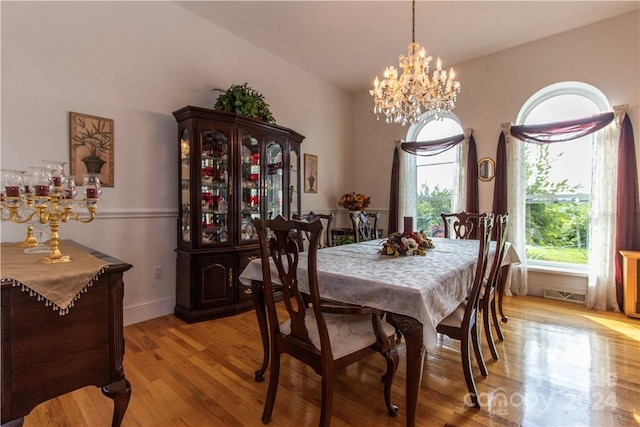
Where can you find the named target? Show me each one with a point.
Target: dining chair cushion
(348, 332)
(455, 318)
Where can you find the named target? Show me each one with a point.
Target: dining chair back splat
(365, 226)
(327, 337)
(462, 323)
(488, 292)
(326, 239)
(461, 225)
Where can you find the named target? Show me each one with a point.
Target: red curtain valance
(561, 131)
(432, 148)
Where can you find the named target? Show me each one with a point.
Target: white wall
(136, 63)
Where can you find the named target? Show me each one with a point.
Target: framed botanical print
(310, 173)
(91, 140)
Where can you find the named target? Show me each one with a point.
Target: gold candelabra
(49, 205)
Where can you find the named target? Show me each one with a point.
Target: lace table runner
(59, 285)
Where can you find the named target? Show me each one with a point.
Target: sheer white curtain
(459, 202)
(408, 182)
(516, 206)
(601, 292)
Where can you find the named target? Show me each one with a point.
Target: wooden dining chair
(462, 323)
(326, 239)
(461, 225)
(364, 225)
(324, 336)
(488, 292)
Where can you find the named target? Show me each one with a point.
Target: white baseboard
(148, 310)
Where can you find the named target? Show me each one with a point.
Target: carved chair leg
(261, 314)
(502, 284)
(274, 376)
(476, 349)
(465, 349)
(326, 405)
(486, 314)
(496, 323)
(392, 366)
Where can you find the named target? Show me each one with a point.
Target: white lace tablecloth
(427, 288)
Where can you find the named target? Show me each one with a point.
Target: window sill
(567, 271)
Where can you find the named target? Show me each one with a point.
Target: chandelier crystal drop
(404, 99)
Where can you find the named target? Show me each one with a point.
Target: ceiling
(348, 43)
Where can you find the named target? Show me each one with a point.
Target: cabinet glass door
(294, 179)
(215, 187)
(250, 182)
(274, 180)
(185, 186)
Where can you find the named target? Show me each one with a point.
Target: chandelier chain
(413, 21)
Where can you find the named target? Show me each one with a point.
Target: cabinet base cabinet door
(206, 287)
(216, 281)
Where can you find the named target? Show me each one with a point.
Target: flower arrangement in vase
(406, 244)
(354, 201)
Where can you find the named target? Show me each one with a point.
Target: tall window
(558, 179)
(435, 175)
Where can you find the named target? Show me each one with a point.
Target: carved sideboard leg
(120, 392)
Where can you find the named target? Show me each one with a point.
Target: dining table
(415, 292)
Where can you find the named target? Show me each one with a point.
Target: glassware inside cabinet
(250, 177)
(274, 180)
(215, 187)
(185, 186)
(294, 192)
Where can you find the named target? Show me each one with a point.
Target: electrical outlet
(157, 272)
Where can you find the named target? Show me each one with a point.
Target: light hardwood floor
(560, 365)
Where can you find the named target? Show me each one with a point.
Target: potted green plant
(245, 101)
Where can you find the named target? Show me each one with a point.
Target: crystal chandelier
(403, 100)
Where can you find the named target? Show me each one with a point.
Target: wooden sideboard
(631, 278)
(45, 355)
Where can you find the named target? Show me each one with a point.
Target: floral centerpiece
(354, 201)
(406, 243)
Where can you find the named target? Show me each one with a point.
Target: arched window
(437, 178)
(558, 177)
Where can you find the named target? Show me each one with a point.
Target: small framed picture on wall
(310, 173)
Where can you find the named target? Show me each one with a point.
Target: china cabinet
(232, 169)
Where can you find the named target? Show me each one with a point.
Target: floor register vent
(565, 296)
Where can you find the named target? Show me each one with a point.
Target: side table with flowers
(406, 244)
